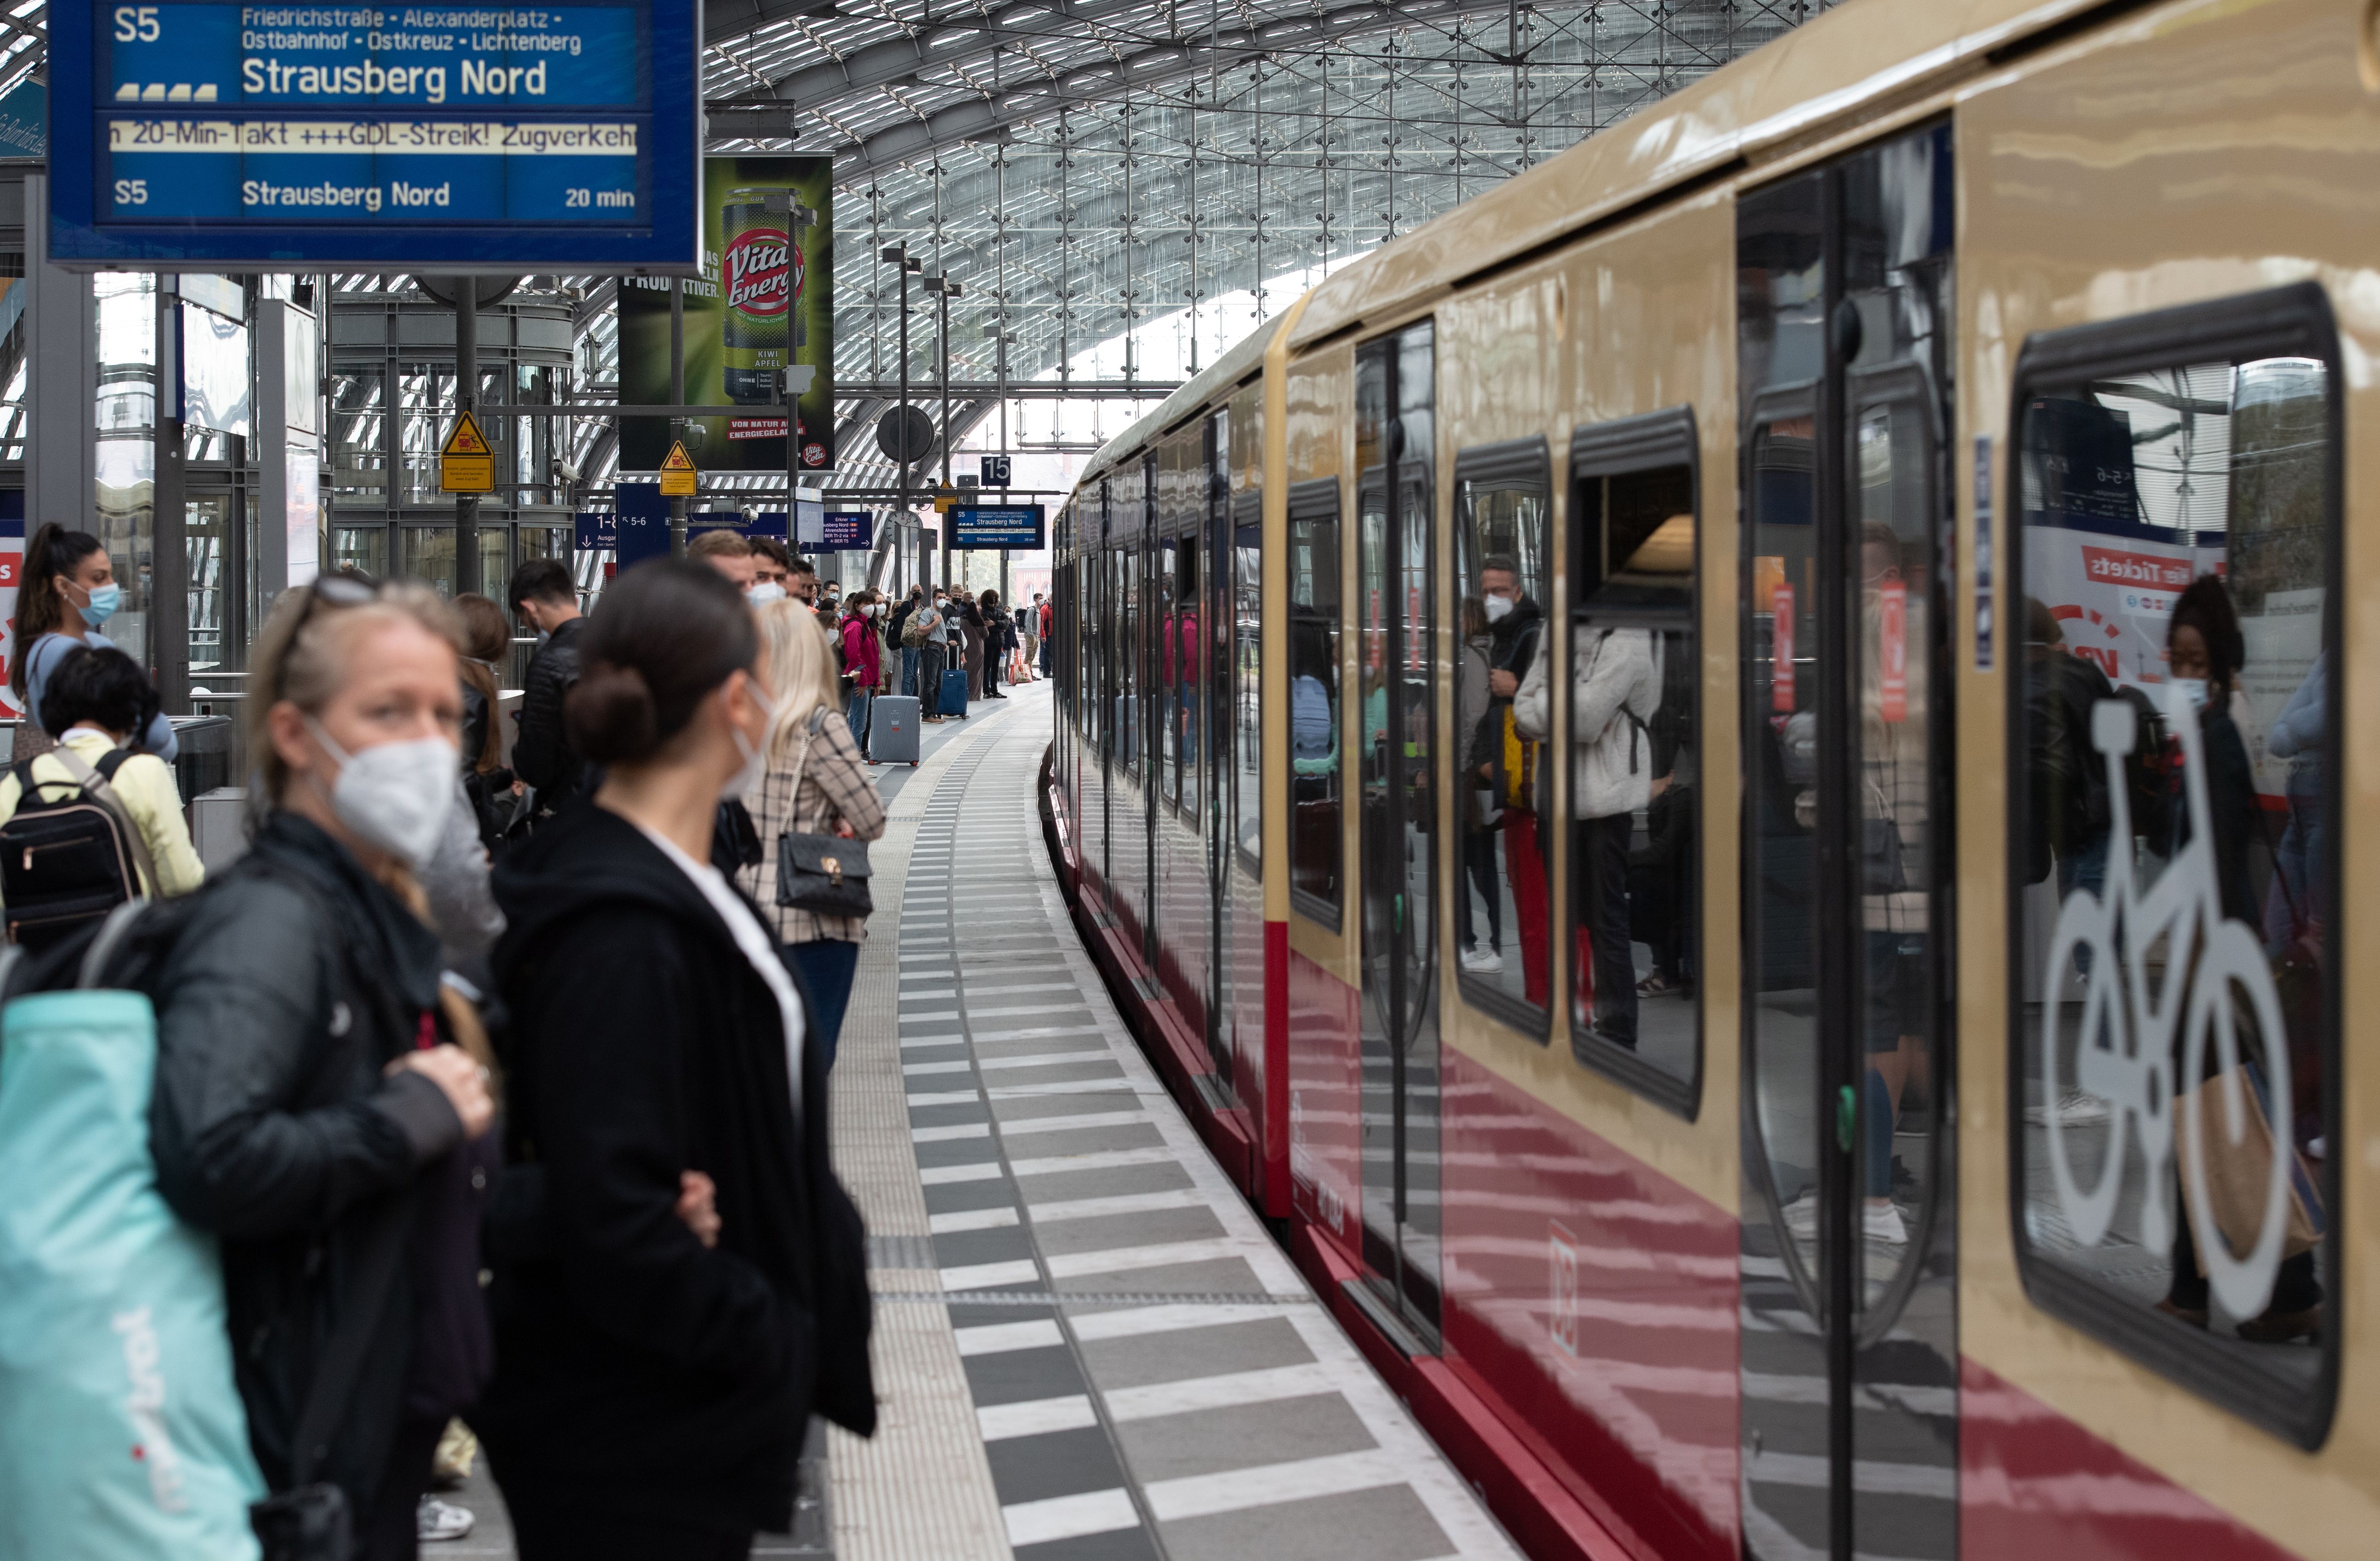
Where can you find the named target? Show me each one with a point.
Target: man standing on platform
(546, 602)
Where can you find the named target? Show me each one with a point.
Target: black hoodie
(636, 1371)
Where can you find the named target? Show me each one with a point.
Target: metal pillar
(169, 574)
(467, 401)
(677, 398)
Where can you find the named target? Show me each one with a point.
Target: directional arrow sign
(678, 476)
(466, 465)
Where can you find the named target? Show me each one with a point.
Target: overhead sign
(1022, 525)
(466, 465)
(595, 530)
(679, 479)
(195, 134)
(24, 120)
(763, 305)
(995, 470)
(843, 533)
(643, 523)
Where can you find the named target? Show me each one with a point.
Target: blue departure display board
(1017, 525)
(197, 134)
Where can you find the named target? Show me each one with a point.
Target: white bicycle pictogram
(2126, 1055)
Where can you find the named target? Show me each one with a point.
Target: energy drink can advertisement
(764, 303)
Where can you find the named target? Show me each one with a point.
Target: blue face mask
(104, 600)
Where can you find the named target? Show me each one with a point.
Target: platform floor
(1087, 1343)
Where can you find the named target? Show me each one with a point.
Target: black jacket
(1512, 647)
(636, 1371)
(292, 979)
(541, 752)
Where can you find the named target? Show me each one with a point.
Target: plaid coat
(834, 785)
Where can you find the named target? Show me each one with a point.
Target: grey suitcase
(893, 729)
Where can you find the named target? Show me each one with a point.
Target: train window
(1318, 844)
(1184, 660)
(1123, 657)
(1634, 836)
(1502, 918)
(2174, 1069)
(1247, 683)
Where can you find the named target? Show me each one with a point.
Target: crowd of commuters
(496, 1066)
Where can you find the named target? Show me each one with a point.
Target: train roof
(1857, 55)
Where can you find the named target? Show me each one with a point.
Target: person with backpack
(322, 1098)
(928, 629)
(66, 590)
(654, 1380)
(816, 786)
(91, 824)
(896, 633)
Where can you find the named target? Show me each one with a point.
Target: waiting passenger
(931, 623)
(1505, 757)
(814, 784)
(863, 660)
(772, 570)
(487, 783)
(546, 601)
(727, 551)
(658, 1362)
(67, 589)
(801, 575)
(97, 698)
(316, 1105)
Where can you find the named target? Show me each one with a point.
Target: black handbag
(824, 874)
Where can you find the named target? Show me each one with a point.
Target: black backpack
(66, 863)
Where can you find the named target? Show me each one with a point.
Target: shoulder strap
(342, 1360)
(95, 786)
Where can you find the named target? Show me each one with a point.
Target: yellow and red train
(1730, 781)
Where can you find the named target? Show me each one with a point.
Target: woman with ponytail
(654, 1377)
(66, 589)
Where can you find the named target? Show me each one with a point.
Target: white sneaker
(2076, 1109)
(1485, 961)
(436, 1521)
(1882, 1222)
(1802, 1216)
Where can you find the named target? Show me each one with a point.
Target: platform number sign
(995, 472)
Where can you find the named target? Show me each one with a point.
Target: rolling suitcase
(892, 730)
(953, 699)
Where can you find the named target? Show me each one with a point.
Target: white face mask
(755, 755)
(394, 795)
(767, 591)
(2194, 689)
(1497, 607)
(875, 609)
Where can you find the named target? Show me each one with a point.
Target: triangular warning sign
(467, 439)
(677, 459)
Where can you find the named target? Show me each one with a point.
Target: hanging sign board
(200, 135)
(679, 479)
(1020, 525)
(847, 532)
(466, 465)
(595, 530)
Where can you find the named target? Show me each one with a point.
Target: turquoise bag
(121, 1430)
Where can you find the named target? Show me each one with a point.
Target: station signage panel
(1019, 525)
(201, 135)
(846, 531)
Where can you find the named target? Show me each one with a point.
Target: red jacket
(861, 654)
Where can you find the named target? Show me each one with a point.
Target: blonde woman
(815, 783)
(320, 1098)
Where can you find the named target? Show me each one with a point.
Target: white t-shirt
(757, 947)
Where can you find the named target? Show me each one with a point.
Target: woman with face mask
(816, 784)
(320, 1094)
(653, 1382)
(66, 592)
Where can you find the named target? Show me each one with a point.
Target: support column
(169, 573)
(467, 402)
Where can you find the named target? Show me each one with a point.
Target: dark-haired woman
(486, 781)
(652, 1387)
(96, 699)
(66, 589)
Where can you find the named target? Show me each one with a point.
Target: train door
(1395, 712)
(1154, 562)
(1210, 699)
(1849, 1353)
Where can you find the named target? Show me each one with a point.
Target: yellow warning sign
(678, 476)
(945, 500)
(466, 465)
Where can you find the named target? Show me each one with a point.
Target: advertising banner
(765, 302)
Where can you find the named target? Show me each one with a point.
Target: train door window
(2174, 1090)
(1186, 658)
(1164, 623)
(1316, 846)
(1502, 913)
(1126, 658)
(1247, 683)
(1635, 832)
